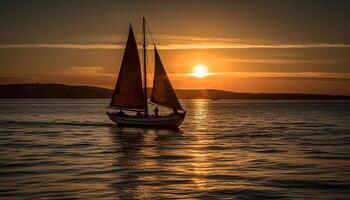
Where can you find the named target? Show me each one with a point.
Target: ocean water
(225, 149)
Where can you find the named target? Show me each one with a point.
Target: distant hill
(90, 92)
(53, 91)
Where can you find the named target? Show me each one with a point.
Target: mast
(144, 65)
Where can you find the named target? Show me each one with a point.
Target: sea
(225, 149)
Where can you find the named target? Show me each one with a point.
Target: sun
(200, 71)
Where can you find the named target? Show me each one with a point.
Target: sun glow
(200, 71)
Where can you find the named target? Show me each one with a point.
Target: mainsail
(162, 92)
(128, 89)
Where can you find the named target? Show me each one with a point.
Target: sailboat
(130, 94)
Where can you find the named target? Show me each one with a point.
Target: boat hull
(172, 121)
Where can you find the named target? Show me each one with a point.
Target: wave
(59, 123)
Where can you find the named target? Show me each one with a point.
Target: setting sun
(200, 71)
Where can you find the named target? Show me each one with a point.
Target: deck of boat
(172, 120)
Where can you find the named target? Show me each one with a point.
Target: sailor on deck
(175, 111)
(156, 112)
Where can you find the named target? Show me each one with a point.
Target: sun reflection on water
(224, 149)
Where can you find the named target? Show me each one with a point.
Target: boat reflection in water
(161, 163)
(224, 149)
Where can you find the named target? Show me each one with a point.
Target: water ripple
(224, 150)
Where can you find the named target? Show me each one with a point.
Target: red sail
(128, 89)
(163, 92)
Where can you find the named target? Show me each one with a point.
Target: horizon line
(295, 93)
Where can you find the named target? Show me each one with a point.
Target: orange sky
(246, 46)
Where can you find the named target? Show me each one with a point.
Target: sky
(247, 46)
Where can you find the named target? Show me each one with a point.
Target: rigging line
(150, 33)
(151, 72)
(140, 49)
(140, 38)
(149, 69)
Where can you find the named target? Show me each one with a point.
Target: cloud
(286, 61)
(62, 46)
(290, 74)
(252, 46)
(178, 46)
(171, 42)
(89, 71)
(281, 75)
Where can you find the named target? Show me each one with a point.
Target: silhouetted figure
(121, 113)
(156, 112)
(175, 111)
